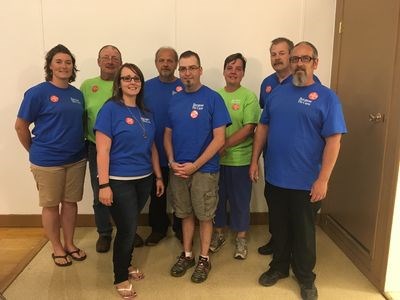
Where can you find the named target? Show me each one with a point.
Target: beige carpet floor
(337, 277)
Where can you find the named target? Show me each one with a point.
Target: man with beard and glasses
(157, 93)
(279, 56)
(302, 122)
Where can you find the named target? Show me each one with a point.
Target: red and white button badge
(235, 106)
(268, 89)
(194, 114)
(129, 120)
(178, 88)
(95, 88)
(54, 99)
(313, 96)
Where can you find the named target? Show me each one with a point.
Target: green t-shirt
(96, 92)
(243, 108)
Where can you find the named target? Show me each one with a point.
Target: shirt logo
(268, 89)
(129, 121)
(178, 88)
(194, 114)
(54, 99)
(77, 101)
(145, 120)
(304, 101)
(313, 96)
(198, 106)
(95, 88)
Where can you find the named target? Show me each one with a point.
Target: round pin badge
(313, 96)
(268, 89)
(129, 120)
(178, 88)
(194, 114)
(54, 99)
(95, 88)
(235, 106)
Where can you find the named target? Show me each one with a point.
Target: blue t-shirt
(132, 134)
(156, 98)
(271, 82)
(299, 120)
(192, 117)
(57, 114)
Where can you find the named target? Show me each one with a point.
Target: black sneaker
(138, 242)
(180, 267)
(308, 293)
(154, 238)
(203, 267)
(271, 277)
(103, 243)
(266, 249)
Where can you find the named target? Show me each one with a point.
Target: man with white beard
(303, 123)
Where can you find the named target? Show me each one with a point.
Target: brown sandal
(76, 254)
(64, 257)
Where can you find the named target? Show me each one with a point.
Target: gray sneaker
(217, 241)
(241, 248)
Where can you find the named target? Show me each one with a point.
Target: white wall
(214, 29)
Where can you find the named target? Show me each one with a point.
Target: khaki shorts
(60, 183)
(196, 195)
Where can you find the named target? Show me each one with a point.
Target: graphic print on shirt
(195, 110)
(129, 121)
(54, 98)
(235, 104)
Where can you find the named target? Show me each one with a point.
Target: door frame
(374, 264)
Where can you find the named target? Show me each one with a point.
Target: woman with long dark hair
(126, 160)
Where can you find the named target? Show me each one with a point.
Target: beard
(167, 72)
(299, 77)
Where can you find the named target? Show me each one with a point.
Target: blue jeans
(129, 198)
(101, 212)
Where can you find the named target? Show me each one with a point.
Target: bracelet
(158, 178)
(170, 163)
(104, 185)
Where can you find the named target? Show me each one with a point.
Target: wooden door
(357, 213)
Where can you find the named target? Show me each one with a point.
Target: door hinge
(340, 27)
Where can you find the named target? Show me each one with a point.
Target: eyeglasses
(190, 69)
(135, 79)
(304, 59)
(114, 59)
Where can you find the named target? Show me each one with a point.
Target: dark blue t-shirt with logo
(57, 115)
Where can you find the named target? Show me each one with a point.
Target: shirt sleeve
(104, 120)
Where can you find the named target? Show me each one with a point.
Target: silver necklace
(139, 122)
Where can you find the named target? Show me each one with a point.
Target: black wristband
(104, 185)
